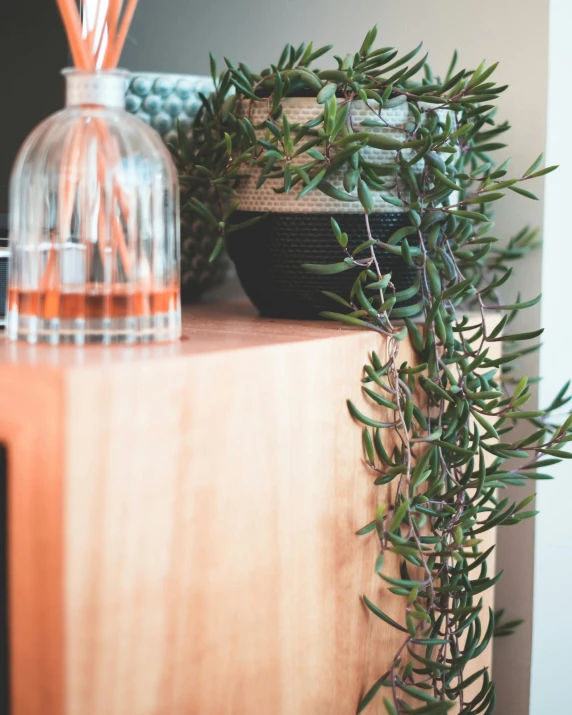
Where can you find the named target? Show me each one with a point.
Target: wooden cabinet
(182, 523)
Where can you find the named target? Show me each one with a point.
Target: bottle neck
(100, 88)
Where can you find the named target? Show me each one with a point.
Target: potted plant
(303, 140)
(452, 407)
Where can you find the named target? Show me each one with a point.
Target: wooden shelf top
(207, 328)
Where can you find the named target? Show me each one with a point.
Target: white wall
(177, 35)
(553, 576)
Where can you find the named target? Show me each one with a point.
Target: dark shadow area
(4, 653)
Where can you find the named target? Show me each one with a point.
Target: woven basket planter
(268, 255)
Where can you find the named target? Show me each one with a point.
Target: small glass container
(94, 224)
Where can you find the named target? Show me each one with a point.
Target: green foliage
(450, 463)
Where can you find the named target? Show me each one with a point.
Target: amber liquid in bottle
(118, 303)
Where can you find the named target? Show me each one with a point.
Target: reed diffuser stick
(110, 18)
(97, 43)
(112, 58)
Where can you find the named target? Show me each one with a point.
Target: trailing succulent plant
(453, 408)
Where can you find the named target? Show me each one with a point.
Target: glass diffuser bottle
(94, 224)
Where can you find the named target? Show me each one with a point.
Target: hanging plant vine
(450, 462)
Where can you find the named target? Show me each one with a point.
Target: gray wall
(177, 35)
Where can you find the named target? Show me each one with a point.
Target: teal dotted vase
(165, 101)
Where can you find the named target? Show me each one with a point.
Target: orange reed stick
(72, 24)
(115, 53)
(87, 55)
(115, 7)
(88, 34)
(99, 62)
(117, 229)
(68, 181)
(110, 148)
(66, 190)
(71, 177)
(101, 230)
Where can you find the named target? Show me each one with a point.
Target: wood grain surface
(182, 523)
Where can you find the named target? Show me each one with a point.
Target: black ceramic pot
(268, 258)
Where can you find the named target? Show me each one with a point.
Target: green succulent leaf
(365, 197)
(384, 141)
(327, 91)
(384, 617)
(322, 269)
